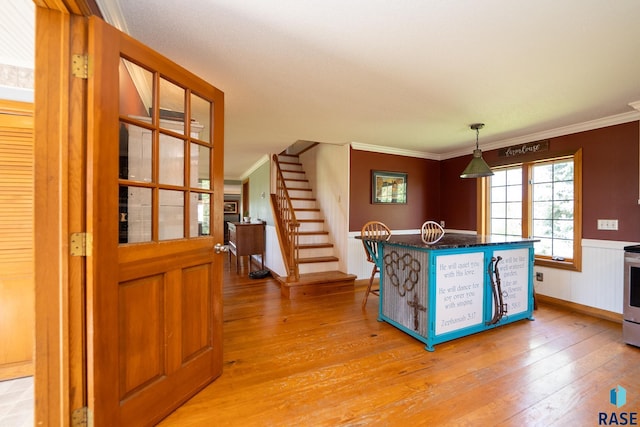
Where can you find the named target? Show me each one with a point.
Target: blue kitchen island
(461, 285)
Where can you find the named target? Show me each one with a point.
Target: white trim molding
(261, 161)
(397, 151)
(617, 119)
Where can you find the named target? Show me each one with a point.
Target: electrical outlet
(607, 224)
(539, 276)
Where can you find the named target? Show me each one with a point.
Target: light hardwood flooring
(322, 361)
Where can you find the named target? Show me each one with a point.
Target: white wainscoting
(357, 259)
(598, 285)
(273, 256)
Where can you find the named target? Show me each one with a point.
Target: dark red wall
(458, 196)
(423, 191)
(609, 178)
(610, 185)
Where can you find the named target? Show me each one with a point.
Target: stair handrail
(289, 224)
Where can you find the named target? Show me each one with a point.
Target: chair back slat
(374, 230)
(431, 232)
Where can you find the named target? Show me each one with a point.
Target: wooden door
(17, 293)
(154, 213)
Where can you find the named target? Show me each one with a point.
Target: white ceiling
(406, 74)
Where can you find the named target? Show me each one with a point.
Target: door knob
(220, 248)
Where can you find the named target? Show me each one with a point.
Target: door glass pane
(200, 118)
(200, 213)
(171, 169)
(171, 106)
(136, 90)
(134, 214)
(135, 153)
(170, 215)
(200, 171)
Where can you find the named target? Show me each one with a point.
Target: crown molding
(261, 161)
(112, 13)
(617, 119)
(553, 133)
(397, 151)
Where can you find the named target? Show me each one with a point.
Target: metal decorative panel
(405, 291)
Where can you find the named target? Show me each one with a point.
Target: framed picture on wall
(388, 187)
(230, 207)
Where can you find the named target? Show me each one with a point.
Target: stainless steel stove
(631, 308)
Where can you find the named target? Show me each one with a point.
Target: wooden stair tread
(311, 220)
(297, 189)
(306, 209)
(305, 199)
(312, 233)
(315, 245)
(323, 277)
(318, 259)
(296, 180)
(316, 284)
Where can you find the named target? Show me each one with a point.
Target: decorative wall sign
(460, 291)
(388, 187)
(522, 149)
(514, 273)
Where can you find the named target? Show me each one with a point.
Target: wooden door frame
(60, 194)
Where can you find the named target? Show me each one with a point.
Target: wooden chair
(431, 232)
(377, 230)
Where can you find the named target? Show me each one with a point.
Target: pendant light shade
(477, 168)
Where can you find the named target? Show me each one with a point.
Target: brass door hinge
(81, 417)
(80, 244)
(80, 66)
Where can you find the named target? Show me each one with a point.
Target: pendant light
(477, 168)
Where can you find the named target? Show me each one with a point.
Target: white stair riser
(313, 239)
(288, 167)
(318, 267)
(287, 158)
(308, 215)
(293, 193)
(315, 252)
(303, 204)
(293, 175)
(296, 184)
(311, 226)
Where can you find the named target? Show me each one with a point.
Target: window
(547, 208)
(506, 202)
(552, 209)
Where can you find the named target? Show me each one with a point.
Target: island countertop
(452, 240)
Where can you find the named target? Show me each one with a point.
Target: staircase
(317, 265)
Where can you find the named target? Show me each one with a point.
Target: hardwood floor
(322, 361)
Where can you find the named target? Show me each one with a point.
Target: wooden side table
(246, 238)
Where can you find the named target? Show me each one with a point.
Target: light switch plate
(607, 224)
